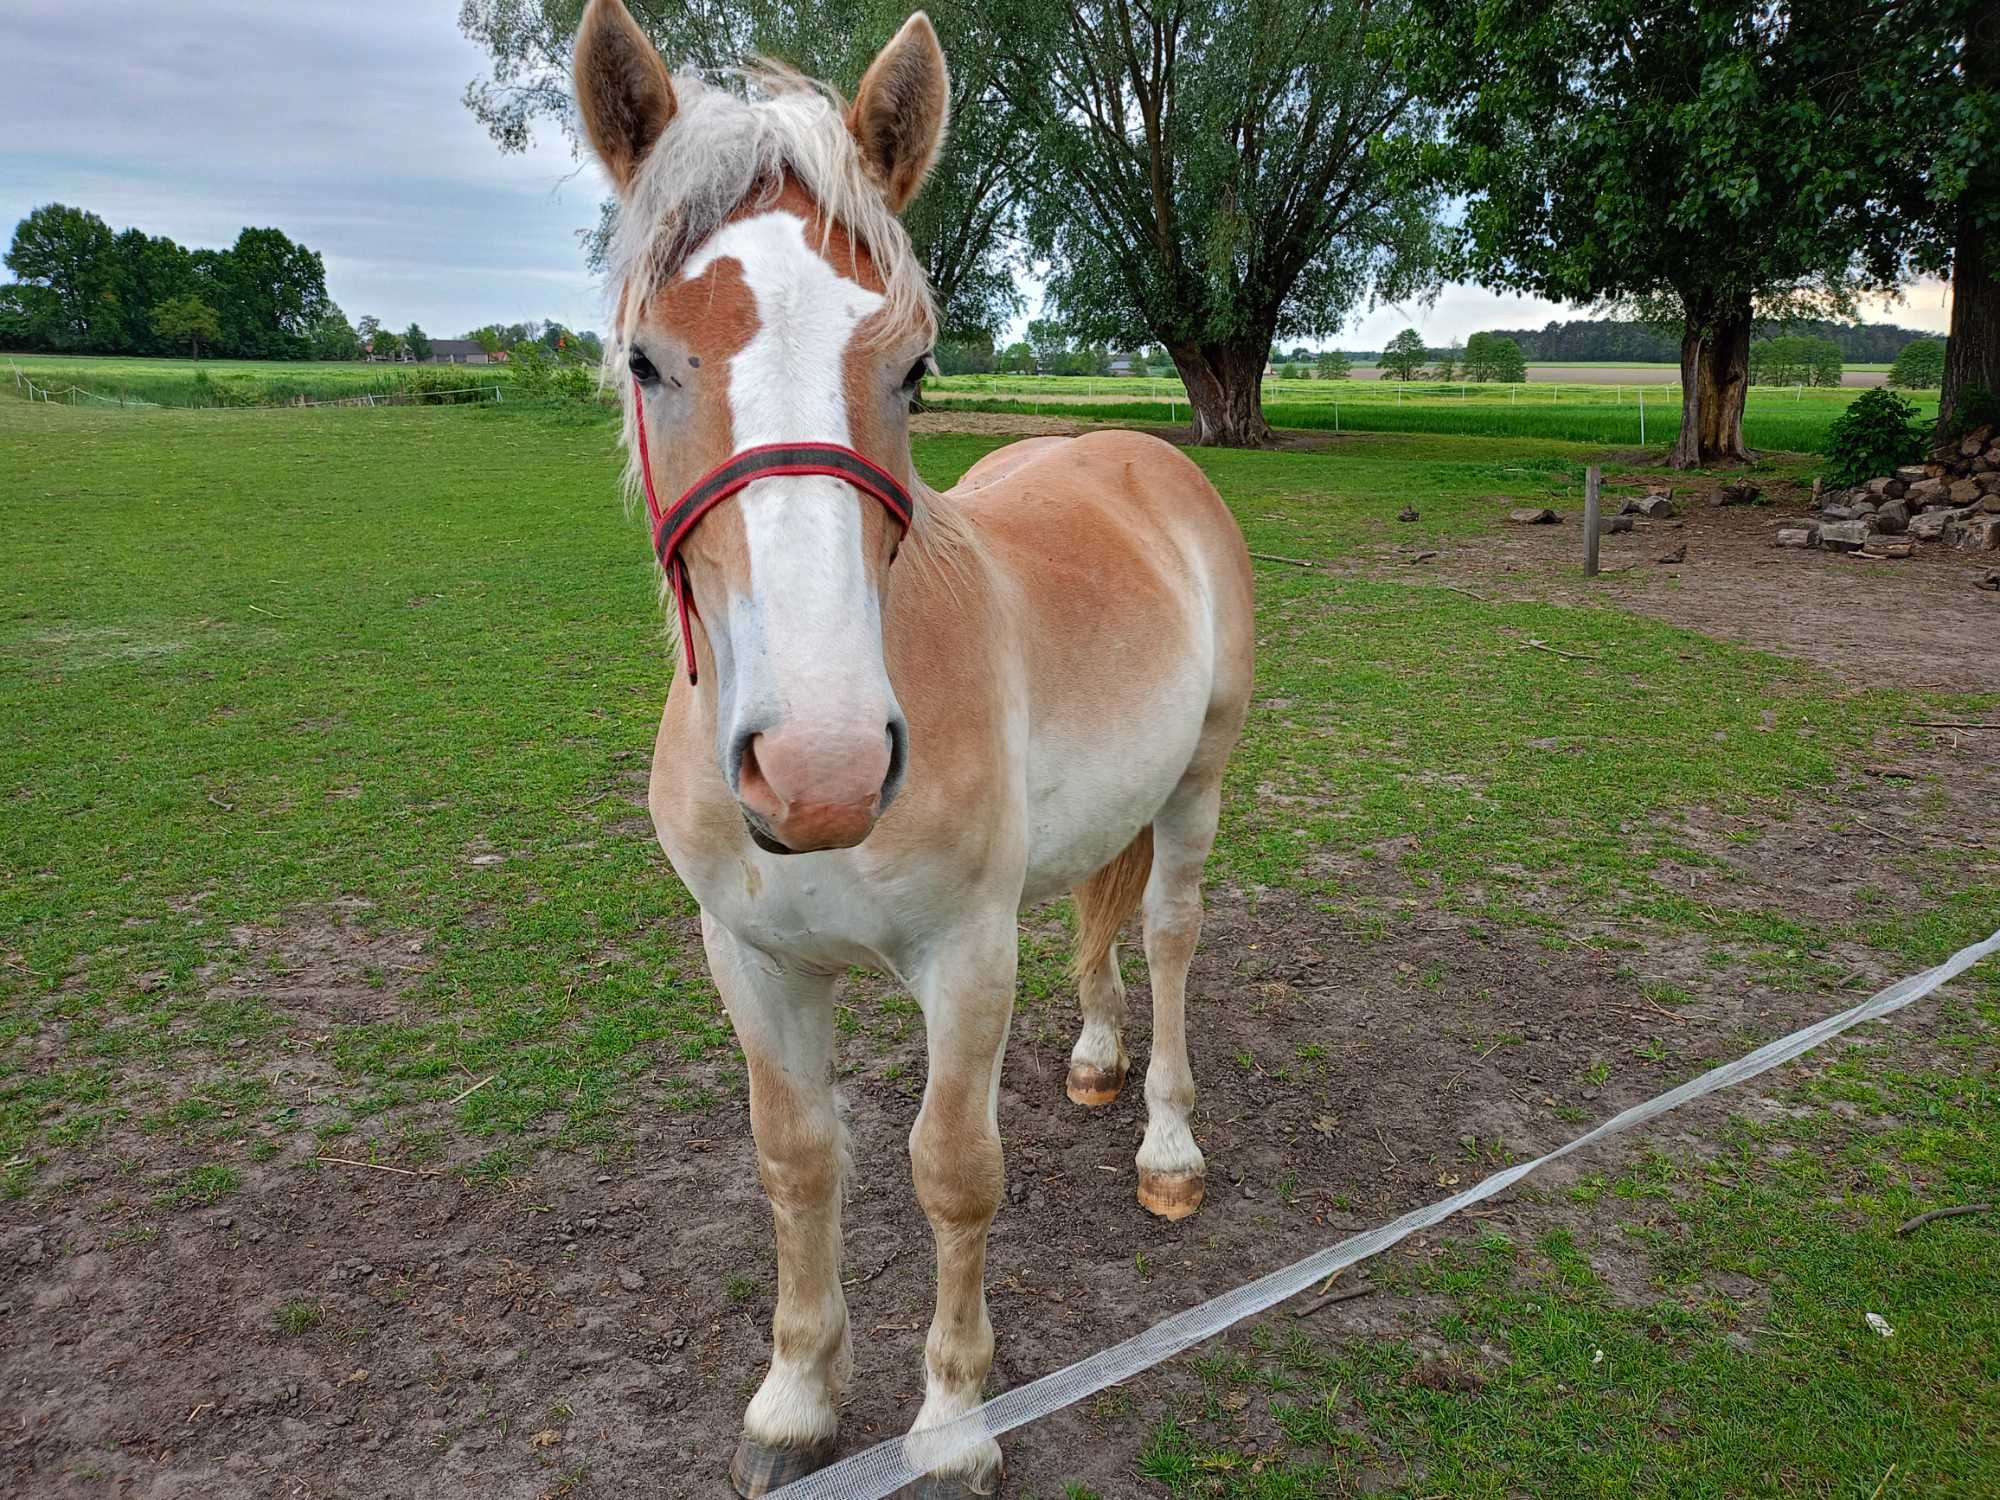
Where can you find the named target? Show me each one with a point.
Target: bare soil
(594, 1329)
(1917, 622)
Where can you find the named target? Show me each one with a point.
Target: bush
(1877, 433)
(1919, 366)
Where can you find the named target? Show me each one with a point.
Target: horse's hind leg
(1097, 1063)
(1171, 1170)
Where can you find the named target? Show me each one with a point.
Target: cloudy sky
(340, 122)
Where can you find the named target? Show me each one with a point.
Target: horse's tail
(1107, 899)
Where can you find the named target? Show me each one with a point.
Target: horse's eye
(917, 373)
(642, 368)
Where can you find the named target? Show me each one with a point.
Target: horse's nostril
(898, 732)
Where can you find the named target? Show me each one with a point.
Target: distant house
(458, 352)
(1125, 367)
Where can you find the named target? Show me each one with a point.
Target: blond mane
(731, 146)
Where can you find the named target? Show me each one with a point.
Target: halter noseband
(770, 461)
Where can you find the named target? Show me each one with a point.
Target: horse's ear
(622, 88)
(899, 112)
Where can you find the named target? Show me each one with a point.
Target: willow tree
(1213, 175)
(1706, 164)
(961, 224)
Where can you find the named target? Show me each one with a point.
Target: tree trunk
(1715, 379)
(1225, 386)
(1972, 352)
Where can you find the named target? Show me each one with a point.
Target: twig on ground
(1553, 651)
(348, 1161)
(864, 1280)
(1947, 724)
(1385, 1147)
(1345, 1294)
(1884, 1484)
(215, 801)
(1467, 592)
(1894, 838)
(468, 1093)
(1958, 1212)
(1297, 562)
(271, 612)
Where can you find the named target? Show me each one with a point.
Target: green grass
(1791, 421)
(409, 661)
(229, 382)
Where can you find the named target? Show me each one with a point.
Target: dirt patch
(320, 967)
(992, 423)
(343, 1330)
(1916, 622)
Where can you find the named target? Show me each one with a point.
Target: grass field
(228, 382)
(1793, 421)
(399, 660)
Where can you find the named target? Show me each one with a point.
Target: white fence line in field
(886, 1467)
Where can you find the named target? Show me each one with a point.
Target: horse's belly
(1087, 802)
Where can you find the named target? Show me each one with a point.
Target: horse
(898, 717)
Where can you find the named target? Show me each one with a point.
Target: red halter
(770, 461)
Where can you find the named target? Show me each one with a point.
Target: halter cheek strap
(769, 461)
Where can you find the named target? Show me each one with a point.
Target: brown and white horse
(887, 741)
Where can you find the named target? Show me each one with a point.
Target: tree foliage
(1494, 356)
(1403, 358)
(83, 289)
(1333, 365)
(962, 222)
(1214, 176)
(1877, 432)
(1795, 359)
(187, 319)
(1919, 365)
(1704, 163)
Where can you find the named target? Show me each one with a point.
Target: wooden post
(1590, 480)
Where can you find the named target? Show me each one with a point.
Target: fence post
(1642, 414)
(1591, 476)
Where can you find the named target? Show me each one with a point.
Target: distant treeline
(79, 288)
(1600, 339)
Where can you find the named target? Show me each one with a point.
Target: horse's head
(767, 294)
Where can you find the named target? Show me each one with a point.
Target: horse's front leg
(783, 1017)
(966, 990)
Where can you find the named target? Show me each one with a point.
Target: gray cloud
(338, 123)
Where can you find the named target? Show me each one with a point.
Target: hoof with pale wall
(1171, 1195)
(1093, 1088)
(758, 1469)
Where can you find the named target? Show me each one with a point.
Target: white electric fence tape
(876, 1472)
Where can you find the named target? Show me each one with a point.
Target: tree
(1449, 362)
(333, 337)
(1215, 175)
(366, 330)
(385, 345)
(417, 342)
(488, 339)
(1333, 365)
(1479, 357)
(1699, 163)
(1510, 366)
(1018, 359)
(61, 256)
(274, 291)
(1920, 365)
(963, 223)
(1050, 341)
(1405, 356)
(189, 320)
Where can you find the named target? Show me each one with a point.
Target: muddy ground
(595, 1329)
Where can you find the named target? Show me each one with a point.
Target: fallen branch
(1553, 651)
(1894, 838)
(468, 1093)
(1947, 724)
(1467, 592)
(1297, 562)
(864, 1280)
(1958, 1212)
(1345, 1294)
(348, 1161)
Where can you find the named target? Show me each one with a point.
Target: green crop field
(98, 379)
(404, 665)
(1785, 420)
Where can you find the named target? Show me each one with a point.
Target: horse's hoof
(1092, 1087)
(1171, 1195)
(758, 1468)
